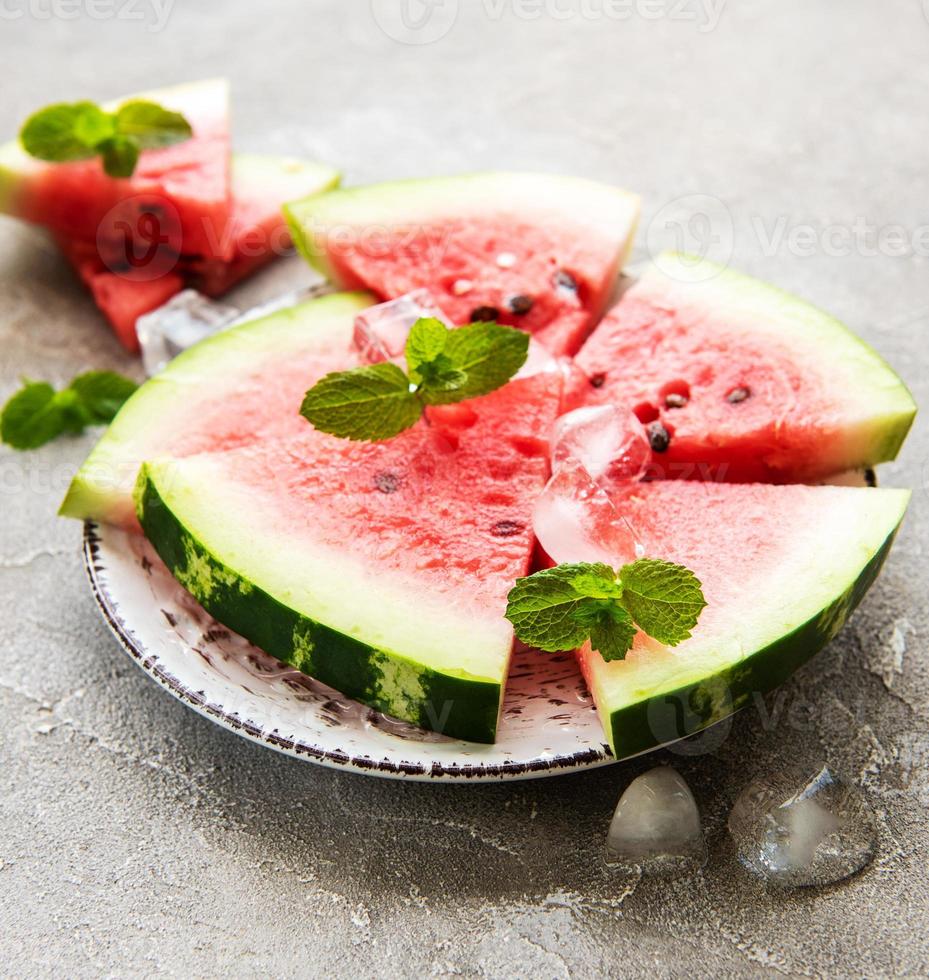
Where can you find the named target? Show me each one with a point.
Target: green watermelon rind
(673, 713)
(459, 706)
(586, 204)
(676, 277)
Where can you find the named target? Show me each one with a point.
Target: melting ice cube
(610, 443)
(180, 323)
(574, 520)
(656, 826)
(381, 330)
(803, 827)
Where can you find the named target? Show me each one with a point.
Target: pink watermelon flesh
(560, 282)
(180, 194)
(258, 234)
(743, 393)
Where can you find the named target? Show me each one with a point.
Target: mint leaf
(59, 132)
(425, 343)
(81, 130)
(102, 393)
(367, 403)
(32, 417)
(488, 353)
(151, 125)
(37, 413)
(120, 155)
(555, 609)
(561, 607)
(664, 599)
(612, 633)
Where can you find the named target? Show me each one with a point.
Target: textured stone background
(137, 838)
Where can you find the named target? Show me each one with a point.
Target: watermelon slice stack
(191, 214)
(383, 568)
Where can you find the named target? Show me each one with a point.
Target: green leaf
(74, 414)
(80, 130)
(664, 599)
(62, 131)
(425, 343)
(612, 633)
(488, 353)
(151, 125)
(120, 156)
(368, 403)
(32, 416)
(556, 608)
(102, 393)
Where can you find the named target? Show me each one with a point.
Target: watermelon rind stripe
(458, 707)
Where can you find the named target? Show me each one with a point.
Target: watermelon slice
(397, 570)
(739, 381)
(535, 251)
(256, 231)
(242, 386)
(183, 190)
(782, 567)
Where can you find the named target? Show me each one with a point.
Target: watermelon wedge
(536, 251)
(397, 569)
(739, 381)
(242, 386)
(256, 232)
(183, 190)
(782, 567)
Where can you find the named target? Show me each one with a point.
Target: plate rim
(298, 749)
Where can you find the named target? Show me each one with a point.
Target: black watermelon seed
(658, 437)
(485, 314)
(737, 395)
(596, 380)
(520, 304)
(675, 400)
(506, 529)
(870, 477)
(564, 280)
(387, 482)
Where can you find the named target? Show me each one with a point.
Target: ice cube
(802, 827)
(574, 520)
(656, 826)
(609, 442)
(183, 321)
(381, 330)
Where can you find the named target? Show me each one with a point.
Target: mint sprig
(560, 608)
(380, 401)
(37, 413)
(80, 130)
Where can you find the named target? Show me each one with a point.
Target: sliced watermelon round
(782, 567)
(183, 191)
(536, 251)
(256, 231)
(739, 381)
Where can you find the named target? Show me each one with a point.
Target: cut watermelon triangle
(536, 251)
(179, 196)
(740, 381)
(255, 234)
(782, 567)
(399, 555)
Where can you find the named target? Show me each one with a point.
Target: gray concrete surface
(137, 838)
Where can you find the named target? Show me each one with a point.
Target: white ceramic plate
(549, 724)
